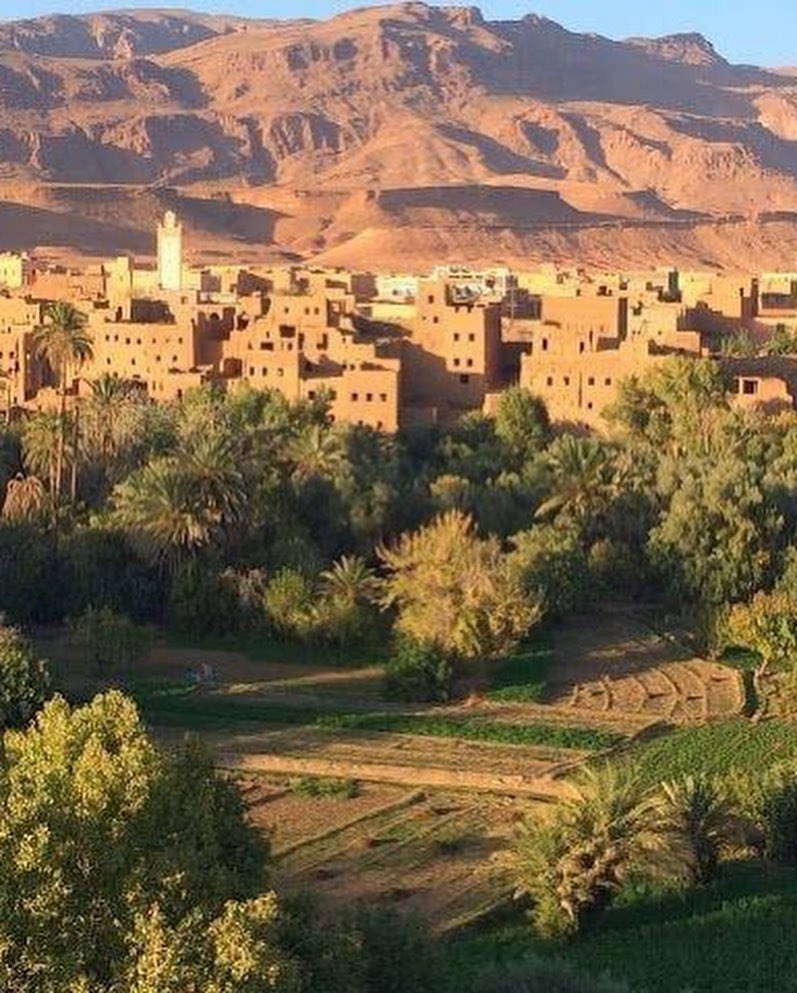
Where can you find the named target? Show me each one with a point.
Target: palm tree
(160, 507)
(316, 453)
(65, 344)
(573, 864)
(350, 581)
(26, 499)
(107, 414)
(697, 817)
(40, 434)
(349, 590)
(214, 460)
(582, 478)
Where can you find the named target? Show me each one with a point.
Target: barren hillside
(393, 136)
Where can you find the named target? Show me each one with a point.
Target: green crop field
(736, 936)
(716, 749)
(181, 707)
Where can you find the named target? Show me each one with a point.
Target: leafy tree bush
(24, 679)
(418, 671)
(522, 423)
(551, 562)
(454, 589)
(767, 625)
(111, 640)
(101, 833)
(290, 603)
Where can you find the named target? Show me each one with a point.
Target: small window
(430, 299)
(566, 380)
(581, 347)
(333, 394)
(355, 397)
(383, 397)
(469, 362)
(545, 344)
(591, 381)
(311, 394)
(456, 336)
(435, 320)
(549, 381)
(749, 387)
(456, 363)
(464, 379)
(369, 397)
(471, 337)
(589, 405)
(251, 370)
(280, 372)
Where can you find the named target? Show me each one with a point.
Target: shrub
(290, 604)
(111, 639)
(203, 602)
(418, 672)
(24, 679)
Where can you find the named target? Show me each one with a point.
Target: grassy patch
(265, 649)
(314, 786)
(182, 707)
(716, 749)
(521, 677)
(734, 936)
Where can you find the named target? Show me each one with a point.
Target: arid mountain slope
(394, 136)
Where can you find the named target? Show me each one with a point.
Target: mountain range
(393, 136)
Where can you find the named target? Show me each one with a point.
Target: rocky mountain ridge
(386, 135)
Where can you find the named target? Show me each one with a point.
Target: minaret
(170, 253)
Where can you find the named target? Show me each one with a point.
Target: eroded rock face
(650, 132)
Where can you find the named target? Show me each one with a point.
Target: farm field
(440, 855)
(734, 936)
(435, 793)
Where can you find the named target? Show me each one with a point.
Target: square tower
(170, 253)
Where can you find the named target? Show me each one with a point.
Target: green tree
(24, 679)
(698, 818)
(65, 344)
(111, 640)
(766, 625)
(522, 424)
(456, 590)
(574, 863)
(98, 828)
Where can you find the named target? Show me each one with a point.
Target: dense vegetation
(442, 551)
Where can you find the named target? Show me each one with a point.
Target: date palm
(161, 509)
(582, 478)
(573, 864)
(25, 500)
(65, 344)
(109, 415)
(316, 453)
(40, 434)
(698, 818)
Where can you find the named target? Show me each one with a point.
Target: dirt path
(401, 759)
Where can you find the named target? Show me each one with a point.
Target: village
(391, 350)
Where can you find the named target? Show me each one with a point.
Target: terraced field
(440, 855)
(622, 666)
(439, 790)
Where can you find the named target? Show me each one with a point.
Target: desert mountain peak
(390, 131)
